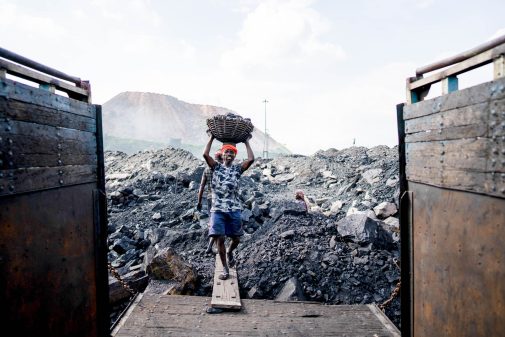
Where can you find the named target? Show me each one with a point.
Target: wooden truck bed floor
(166, 315)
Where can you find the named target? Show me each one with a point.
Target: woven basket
(230, 128)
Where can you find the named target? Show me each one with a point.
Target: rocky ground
(344, 251)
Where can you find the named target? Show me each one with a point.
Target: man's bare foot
(225, 274)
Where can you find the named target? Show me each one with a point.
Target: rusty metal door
(453, 213)
(53, 263)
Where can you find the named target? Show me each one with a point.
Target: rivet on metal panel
(503, 163)
(61, 182)
(10, 153)
(502, 190)
(493, 162)
(9, 141)
(1, 174)
(1, 188)
(492, 124)
(11, 188)
(60, 172)
(493, 112)
(495, 150)
(503, 125)
(1, 138)
(11, 174)
(60, 162)
(11, 163)
(442, 152)
(59, 146)
(8, 128)
(492, 89)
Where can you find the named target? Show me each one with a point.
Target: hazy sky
(332, 71)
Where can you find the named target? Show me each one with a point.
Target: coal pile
(344, 251)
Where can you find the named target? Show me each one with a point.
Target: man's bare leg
(209, 246)
(222, 255)
(234, 243)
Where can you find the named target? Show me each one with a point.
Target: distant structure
(265, 147)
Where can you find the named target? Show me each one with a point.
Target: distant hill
(134, 121)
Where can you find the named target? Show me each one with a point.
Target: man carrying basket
(226, 208)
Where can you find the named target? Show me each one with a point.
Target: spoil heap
(344, 251)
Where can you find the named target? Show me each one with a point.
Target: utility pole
(265, 147)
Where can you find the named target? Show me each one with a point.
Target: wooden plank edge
(495, 194)
(386, 322)
(125, 317)
(226, 305)
(18, 91)
(469, 96)
(467, 65)
(40, 78)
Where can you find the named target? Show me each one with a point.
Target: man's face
(228, 156)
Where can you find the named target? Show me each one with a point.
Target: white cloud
(280, 33)
(423, 3)
(128, 12)
(15, 19)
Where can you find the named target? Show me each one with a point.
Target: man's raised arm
(250, 156)
(210, 161)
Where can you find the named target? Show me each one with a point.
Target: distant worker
(300, 200)
(226, 207)
(206, 184)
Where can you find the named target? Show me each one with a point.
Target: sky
(331, 71)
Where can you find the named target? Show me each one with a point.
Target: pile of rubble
(344, 251)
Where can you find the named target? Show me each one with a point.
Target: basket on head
(230, 128)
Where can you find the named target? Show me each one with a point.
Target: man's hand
(199, 206)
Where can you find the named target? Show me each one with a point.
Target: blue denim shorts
(226, 223)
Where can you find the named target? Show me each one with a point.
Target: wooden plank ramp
(225, 293)
(166, 315)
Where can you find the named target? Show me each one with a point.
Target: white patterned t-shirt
(225, 197)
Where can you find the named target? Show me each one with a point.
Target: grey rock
(287, 234)
(246, 214)
(372, 176)
(333, 242)
(291, 291)
(361, 229)
(385, 209)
